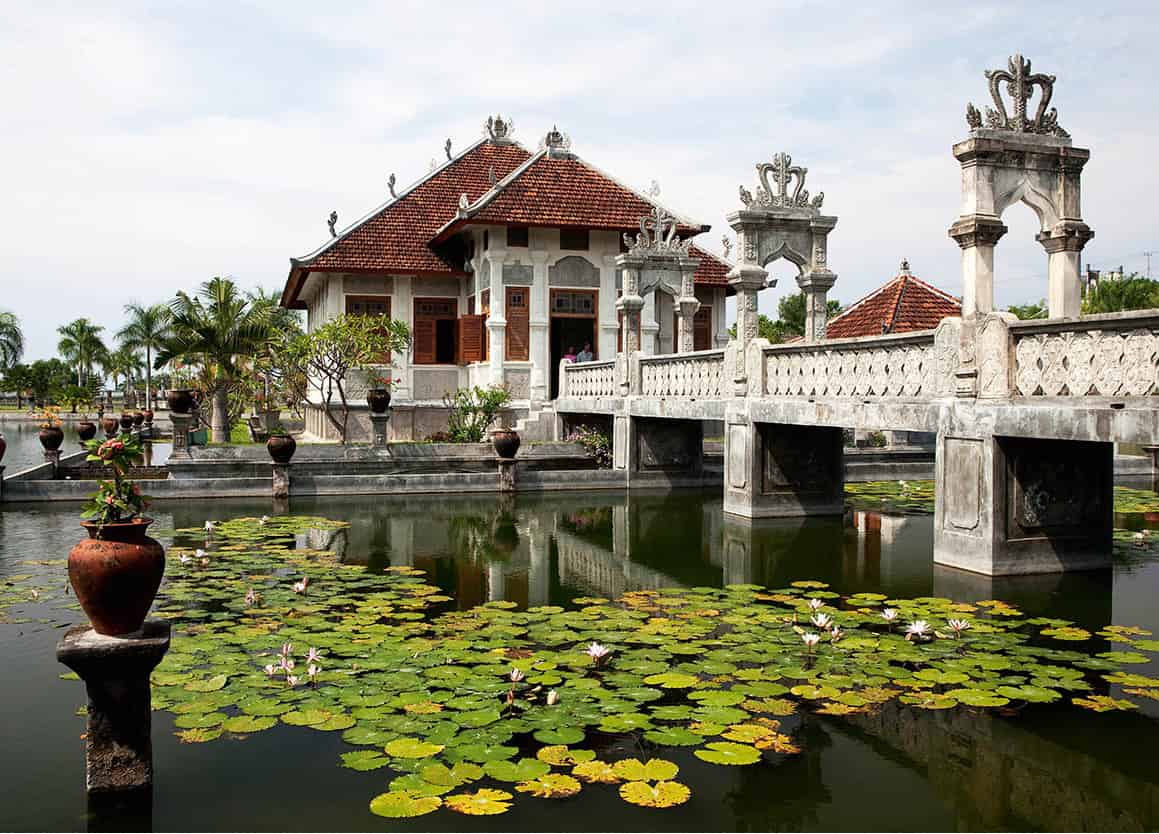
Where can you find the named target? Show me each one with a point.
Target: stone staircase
(538, 425)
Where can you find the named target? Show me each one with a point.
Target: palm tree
(122, 363)
(221, 329)
(146, 330)
(80, 343)
(11, 339)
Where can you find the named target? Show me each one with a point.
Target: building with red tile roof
(501, 261)
(904, 304)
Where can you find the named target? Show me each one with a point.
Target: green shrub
(473, 410)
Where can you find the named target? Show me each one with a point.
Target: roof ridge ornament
(556, 141)
(331, 222)
(1020, 84)
(500, 129)
(447, 149)
(657, 236)
(390, 181)
(775, 194)
(464, 202)
(905, 267)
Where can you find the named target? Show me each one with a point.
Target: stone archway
(1013, 158)
(781, 221)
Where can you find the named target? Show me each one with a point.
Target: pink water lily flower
(815, 604)
(810, 640)
(292, 680)
(312, 671)
(287, 664)
(313, 656)
(286, 649)
(597, 652)
(958, 626)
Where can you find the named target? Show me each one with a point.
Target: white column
(539, 323)
(1064, 296)
(977, 280)
(402, 309)
(606, 323)
(497, 322)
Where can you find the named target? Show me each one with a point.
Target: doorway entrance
(573, 324)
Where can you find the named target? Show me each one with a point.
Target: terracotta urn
(378, 399)
(180, 400)
(138, 418)
(110, 425)
(148, 417)
(115, 574)
(86, 430)
(51, 438)
(506, 442)
(281, 447)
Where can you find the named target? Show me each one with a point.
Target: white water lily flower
(810, 639)
(889, 614)
(300, 587)
(312, 671)
(186, 559)
(815, 604)
(918, 628)
(262, 521)
(552, 698)
(251, 596)
(271, 669)
(958, 626)
(209, 527)
(516, 676)
(822, 621)
(597, 652)
(292, 680)
(836, 634)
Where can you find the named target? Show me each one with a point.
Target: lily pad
(728, 753)
(397, 804)
(483, 802)
(659, 795)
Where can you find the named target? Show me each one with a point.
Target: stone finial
(464, 202)
(654, 190)
(1020, 83)
(333, 219)
(776, 177)
(556, 140)
(447, 148)
(492, 177)
(904, 267)
(726, 245)
(499, 129)
(390, 181)
(657, 236)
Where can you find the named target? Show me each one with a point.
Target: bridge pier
(1007, 506)
(653, 449)
(780, 471)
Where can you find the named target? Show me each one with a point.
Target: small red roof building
(904, 304)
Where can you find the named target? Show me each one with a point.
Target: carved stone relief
(573, 271)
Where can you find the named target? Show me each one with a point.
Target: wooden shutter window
(370, 305)
(518, 324)
(427, 313)
(471, 339)
(702, 329)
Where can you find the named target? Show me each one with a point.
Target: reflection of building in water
(600, 571)
(1000, 773)
(885, 544)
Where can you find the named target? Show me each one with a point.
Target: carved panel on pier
(1055, 487)
(962, 482)
(801, 459)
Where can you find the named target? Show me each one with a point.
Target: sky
(148, 147)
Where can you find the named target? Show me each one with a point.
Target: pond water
(1048, 766)
(24, 449)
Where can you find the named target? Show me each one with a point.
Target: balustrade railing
(589, 379)
(1110, 355)
(904, 366)
(698, 375)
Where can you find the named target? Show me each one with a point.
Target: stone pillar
(497, 321)
(629, 305)
(52, 457)
(378, 425)
(281, 480)
(118, 746)
(782, 471)
(1015, 505)
(977, 235)
(747, 279)
(181, 423)
(816, 285)
(506, 475)
(687, 305)
(402, 309)
(539, 322)
(1063, 244)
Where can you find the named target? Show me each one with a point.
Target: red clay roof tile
(903, 305)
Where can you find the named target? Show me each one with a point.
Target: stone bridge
(1026, 413)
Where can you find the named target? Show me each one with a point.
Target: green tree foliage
(790, 320)
(1036, 310)
(473, 410)
(221, 331)
(147, 329)
(327, 356)
(1131, 293)
(11, 339)
(80, 344)
(42, 380)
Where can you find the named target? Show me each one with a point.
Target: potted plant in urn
(506, 442)
(51, 434)
(281, 445)
(378, 394)
(116, 571)
(86, 430)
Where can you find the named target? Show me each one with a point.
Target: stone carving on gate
(1020, 85)
(657, 236)
(775, 194)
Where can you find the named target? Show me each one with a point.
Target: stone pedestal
(506, 475)
(1007, 506)
(378, 424)
(118, 747)
(181, 424)
(658, 451)
(52, 456)
(281, 480)
(782, 471)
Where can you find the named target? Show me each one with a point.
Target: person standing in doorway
(585, 355)
(570, 355)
